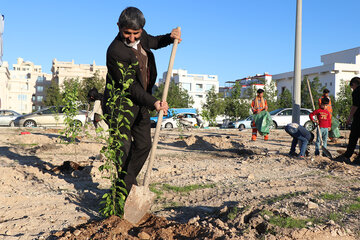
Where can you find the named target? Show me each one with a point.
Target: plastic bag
(334, 133)
(263, 122)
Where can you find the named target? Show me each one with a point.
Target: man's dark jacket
(118, 52)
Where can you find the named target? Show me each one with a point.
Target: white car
(7, 117)
(243, 124)
(50, 116)
(184, 119)
(283, 116)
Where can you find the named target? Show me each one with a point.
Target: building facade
(4, 80)
(337, 67)
(197, 85)
(21, 86)
(68, 70)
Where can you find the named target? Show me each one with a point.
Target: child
(324, 120)
(300, 135)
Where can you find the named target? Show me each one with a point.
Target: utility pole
(297, 65)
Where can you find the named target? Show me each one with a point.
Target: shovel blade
(138, 203)
(326, 152)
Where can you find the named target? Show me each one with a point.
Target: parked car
(51, 116)
(243, 124)
(171, 113)
(186, 119)
(283, 116)
(7, 117)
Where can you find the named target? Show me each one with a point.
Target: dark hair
(325, 100)
(94, 95)
(355, 80)
(131, 18)
(326, 90)
(260, 90)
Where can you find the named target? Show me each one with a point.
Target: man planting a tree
(131, 50)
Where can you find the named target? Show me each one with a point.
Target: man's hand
(176, 34)
(329, 128)
(161, 106)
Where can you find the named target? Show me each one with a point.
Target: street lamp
(297, 65)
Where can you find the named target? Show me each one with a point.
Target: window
(331, 84)
(39, 88)
(39, 98)
(199, 96)
(40, 79)
(22, 97)
(283, 89)
(186, 86)
(33, 98)
(198, 87)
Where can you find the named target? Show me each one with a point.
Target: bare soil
(210, 184)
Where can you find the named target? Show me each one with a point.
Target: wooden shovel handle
(161, 113)
(313, 105)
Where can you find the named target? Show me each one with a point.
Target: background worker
(97, 113)
(300, 135)
(354, 120)
(132, 45)
(324, 120)
(258, 105)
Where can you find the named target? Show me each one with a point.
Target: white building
(67, 70)
(4, 80)
(337, 67)
(197, 85)
(21, 86)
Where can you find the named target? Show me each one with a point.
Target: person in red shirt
(323, 118)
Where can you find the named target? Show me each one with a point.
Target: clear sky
(231, 38)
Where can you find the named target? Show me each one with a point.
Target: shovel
(324, 150)
(140, 199)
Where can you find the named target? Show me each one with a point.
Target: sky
(231, 38)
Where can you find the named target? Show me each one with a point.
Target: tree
(341, 107)
(285, 99)
(316, 90)
(270, 94)
(213, 107)
(235, 107)
(53, 95)
(177, 97)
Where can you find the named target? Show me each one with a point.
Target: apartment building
(250, 83)
(336, 67)
(43, 81)
(197, 85)
(4, 79)
(21, 86)
(67, 70)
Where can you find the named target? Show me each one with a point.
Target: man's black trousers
(136, 148)
(353, 138)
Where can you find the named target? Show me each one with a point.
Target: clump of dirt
(207, 142)
(151, 227)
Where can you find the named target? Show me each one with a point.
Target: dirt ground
(209, 183)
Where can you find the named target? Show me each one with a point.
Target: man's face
(131, 35)
(326, 95)
(261, 94)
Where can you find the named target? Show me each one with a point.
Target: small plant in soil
(188, 188)
(155, 190)
(70, 109)
(331, 196)
(284, 196)
(113, 201)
